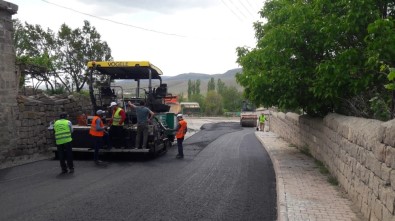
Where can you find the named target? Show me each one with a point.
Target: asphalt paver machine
(122, 82)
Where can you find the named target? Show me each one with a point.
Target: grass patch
(306, 151)
(321, 167)
(323, 170)
(332, 180)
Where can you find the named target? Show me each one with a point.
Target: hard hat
(113, 104)
(179, 115)
(100, 112)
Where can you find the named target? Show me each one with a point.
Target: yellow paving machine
(123, 82)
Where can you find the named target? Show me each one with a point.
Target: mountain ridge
(179, 84)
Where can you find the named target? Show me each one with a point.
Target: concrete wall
(359, 152)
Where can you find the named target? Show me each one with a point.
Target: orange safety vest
(182, 129)
(93, 130)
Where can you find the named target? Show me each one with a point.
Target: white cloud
(180, 36)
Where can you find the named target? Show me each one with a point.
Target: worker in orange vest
(97, 131)
(181, 131)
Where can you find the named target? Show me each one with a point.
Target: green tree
(189, 88)
(197, 86)
(193, 88)
(232, 99)
(213, 104)
(211, 85)
(57, 60)
(181, 97)
(314, 56)
(220, 86)
(75, 48)
(200, 99)
(34, 48)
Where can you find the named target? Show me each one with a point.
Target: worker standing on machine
(117, 122)
(144, 116)
(97, 132)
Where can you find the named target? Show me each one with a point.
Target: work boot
(179, 156)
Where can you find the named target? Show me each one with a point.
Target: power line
(238, 9)
(254, 9)
(116, 22)
(232, 11)
(249, 12)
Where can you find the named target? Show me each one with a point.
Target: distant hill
(179, 84)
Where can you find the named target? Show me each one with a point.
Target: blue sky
(178, 36)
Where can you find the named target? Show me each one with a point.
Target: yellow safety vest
(62, 132)
(262, 119)
(117, 117)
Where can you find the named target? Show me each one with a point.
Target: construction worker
(63, 130)
(181, 131)
(262, 120)
(144, 117)
(117, 122)
(97, 132)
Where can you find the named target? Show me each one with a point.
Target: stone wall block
(387, 215)
(392, 178)
(379, 152)
(281, 115)
(388, 129)
(378, 209)
(390, 156)
(385, 174)
(388, 198)
(292, 117)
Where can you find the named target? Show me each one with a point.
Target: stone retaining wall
(8, 82)
(33, 116)
(358, 152)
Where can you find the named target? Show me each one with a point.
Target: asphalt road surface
(226, 175)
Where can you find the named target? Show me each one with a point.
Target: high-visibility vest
(262, 119)
(62, 132)
(182, 129)
(116, 118)
(93, 130)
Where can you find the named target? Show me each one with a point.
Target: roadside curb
(282, 213)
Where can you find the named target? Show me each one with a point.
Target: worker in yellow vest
(63, 130)
(262, 120)
(117, 122)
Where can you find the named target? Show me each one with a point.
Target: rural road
(226, 175)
